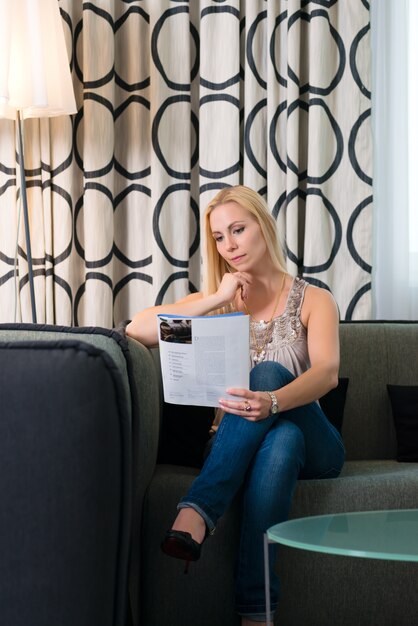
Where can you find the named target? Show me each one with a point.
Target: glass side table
(390, 535)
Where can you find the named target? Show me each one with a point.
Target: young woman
(276, 432)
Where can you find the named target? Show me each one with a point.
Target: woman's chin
(239, 264)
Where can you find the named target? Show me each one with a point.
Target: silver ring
(247, 406)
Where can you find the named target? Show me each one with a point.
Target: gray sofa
(317, 589)
(85, 504)
(78, 433)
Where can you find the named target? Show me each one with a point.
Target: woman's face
(238, 237)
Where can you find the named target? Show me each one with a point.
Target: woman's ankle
(189, 520)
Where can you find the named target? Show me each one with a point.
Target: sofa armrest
(146, 410)
(65, 484)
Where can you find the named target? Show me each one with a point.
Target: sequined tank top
(287, 338)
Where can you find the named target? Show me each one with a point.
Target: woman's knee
(286, 441)
(282, 447)
(269, 375)
(275, 470)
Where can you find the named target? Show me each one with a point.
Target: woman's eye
(238, 231)
(218, 239)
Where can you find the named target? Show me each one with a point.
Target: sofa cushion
(374, 354)
(404, 400)
(184, 434)
(361, 486)
(333, 403)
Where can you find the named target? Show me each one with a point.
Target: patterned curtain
(175, 100)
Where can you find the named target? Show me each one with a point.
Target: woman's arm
(322, 322)
(143, 327)
(320, 316)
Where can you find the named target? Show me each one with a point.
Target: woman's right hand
(232, 283)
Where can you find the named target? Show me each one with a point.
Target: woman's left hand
(253, 405)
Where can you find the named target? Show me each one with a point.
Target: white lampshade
(34, 68)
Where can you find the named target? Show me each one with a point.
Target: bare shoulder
(192, 297)
(318, 301)
(319, 295)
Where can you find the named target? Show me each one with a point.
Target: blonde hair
(215, 266)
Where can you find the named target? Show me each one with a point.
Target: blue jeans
(267, 457)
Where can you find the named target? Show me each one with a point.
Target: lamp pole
(26, 216)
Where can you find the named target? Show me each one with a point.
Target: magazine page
(203, 356)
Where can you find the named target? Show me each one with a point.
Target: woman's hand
(232, 283)
(253, 405)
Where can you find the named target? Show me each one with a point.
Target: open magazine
(202, 356)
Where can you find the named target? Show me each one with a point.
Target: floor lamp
(35, 78)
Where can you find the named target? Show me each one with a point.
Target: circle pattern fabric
(177, 100)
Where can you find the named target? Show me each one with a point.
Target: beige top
(286, 338)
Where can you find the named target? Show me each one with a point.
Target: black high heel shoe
(181, 545)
